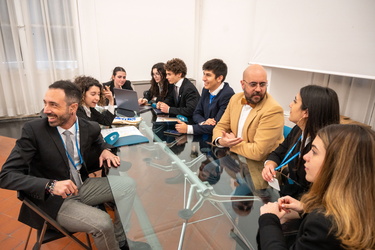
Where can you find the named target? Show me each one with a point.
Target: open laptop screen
(127, 102)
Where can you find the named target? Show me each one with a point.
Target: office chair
(51, 230)
(286, 131)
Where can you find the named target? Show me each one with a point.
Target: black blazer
(111, 84)
(205, 110)
(296, 171)
(188, 99)
(39, 156)
(314, 233)
(105, 118)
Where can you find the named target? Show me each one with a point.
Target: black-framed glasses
(255, 84)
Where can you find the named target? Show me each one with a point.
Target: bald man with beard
(252, 124)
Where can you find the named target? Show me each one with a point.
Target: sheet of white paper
(123, 131)
(275, 184)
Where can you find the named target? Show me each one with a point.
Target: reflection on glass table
(190, 195)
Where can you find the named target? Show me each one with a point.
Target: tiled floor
(13, 234)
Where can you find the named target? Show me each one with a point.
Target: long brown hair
(164, 81)
(344, 187)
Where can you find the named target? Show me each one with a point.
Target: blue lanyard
(78, 150)
(285, 161)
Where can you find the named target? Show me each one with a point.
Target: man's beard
(256, 94)
(60, 120)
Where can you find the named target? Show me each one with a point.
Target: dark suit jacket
(205, 110)
(296, 166)
(39, 156)
(187, 101)
(105, 118)
(314, 233)
(111, 84)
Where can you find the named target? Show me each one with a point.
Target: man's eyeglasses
(254, 84)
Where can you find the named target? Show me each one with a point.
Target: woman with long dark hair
(159, 86)
(313, 108)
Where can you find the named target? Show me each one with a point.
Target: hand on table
(181, 127)
(111, 159)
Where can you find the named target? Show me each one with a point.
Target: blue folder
(116, 141)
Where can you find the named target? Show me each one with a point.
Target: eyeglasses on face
(255, 84)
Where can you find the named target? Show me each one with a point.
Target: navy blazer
(188, 98)
(314, 233)
(205, 110)
(39, 156)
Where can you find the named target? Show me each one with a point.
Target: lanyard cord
(285, 161)
(78, 150)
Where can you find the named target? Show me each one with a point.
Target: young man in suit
(185, 95)
(213, 102)
(252, 125)
(50, 164)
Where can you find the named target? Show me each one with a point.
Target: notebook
(127, 103)
(123, 136)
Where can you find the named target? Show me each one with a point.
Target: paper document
(275, 184)
(123, 131)
(166, 119)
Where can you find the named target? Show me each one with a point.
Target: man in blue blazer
(184, 96)
(213, 102)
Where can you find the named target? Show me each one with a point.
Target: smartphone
(172, 132)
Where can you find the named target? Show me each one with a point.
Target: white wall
(138, 34)
(285, 84)
(225, 32)
(135, 35)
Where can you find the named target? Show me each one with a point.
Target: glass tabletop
(190, 195)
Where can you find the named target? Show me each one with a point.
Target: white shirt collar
(179, 83)
(216, 91)
(87, 110)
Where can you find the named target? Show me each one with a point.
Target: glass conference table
(191, 195)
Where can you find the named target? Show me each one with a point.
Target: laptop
(127, 103)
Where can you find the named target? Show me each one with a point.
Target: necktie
(70, 149)
(212, 98)
(176, 93)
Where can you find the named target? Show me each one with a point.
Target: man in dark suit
(185, 95)
(50, 164)
(213, 102)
